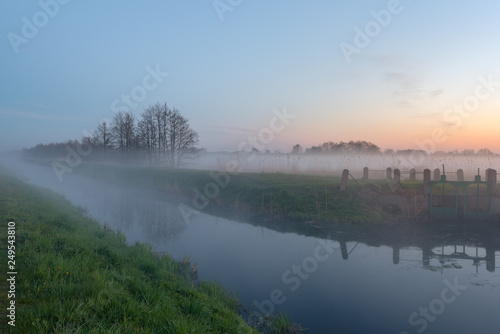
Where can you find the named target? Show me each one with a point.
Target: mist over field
(334, 164)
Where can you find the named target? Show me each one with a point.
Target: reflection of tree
(135, 211)
(126, 211)
(160, 221)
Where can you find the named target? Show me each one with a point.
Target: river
(442, 278)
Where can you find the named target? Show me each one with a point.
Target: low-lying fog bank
(334, 164)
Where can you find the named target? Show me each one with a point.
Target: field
(266, 195)
(300, 187)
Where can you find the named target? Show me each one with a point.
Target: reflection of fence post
(395, 254)
(365, 173)
(397, 179)
(427, 182)
(437, 174)
(426, 250)
(343, 249)
(460, 175)
(413, 174)
(490, 257)
(388, 173)
(343, 180)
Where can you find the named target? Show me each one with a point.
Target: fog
(333, 164)
(290, 163)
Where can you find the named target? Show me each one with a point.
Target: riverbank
(314, 199)
(75, 276)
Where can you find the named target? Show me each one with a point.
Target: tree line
(365, 147)
(161, 136)
(340, 147)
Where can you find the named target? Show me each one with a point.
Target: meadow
(74, 276)
(267, 196)
(276, 186)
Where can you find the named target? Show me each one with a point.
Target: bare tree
(123, 131)
(154, 126)
(130, 133)
(118, 131)
(296, 149)
(161, 113)
(182, 139)
(162, 135)
(101, 137)
(484, 151)
(165, 134)
(146, 133)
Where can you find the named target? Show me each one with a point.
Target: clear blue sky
(227, 75)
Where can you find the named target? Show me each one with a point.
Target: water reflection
(440, 250)
(443, 255)
(139, 213)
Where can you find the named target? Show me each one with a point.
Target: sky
(403, 74)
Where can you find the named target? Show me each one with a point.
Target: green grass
(443, 189)
(273, 195)
(282, 323)
(74, 276)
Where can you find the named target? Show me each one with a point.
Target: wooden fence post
(343, 180)
(413, 174)
(388, 173)
(437, 174)
(486, 175)
(397, 179)
(427, 182)
(365, 173)
(492, 179)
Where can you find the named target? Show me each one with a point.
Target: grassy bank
(73, 276)
(271, 195)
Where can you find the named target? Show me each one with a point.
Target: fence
(446, 198)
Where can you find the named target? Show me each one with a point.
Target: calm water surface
(441, 279)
